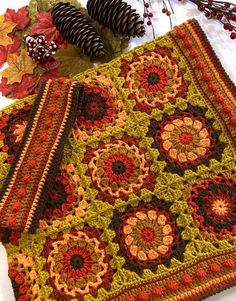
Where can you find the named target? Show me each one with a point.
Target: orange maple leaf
(5, 28)
(19, 65)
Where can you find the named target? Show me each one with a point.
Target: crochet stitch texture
(143, 206)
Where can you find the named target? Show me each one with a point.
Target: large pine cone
(118, 16)
(76, 29)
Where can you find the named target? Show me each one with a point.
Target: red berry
(145, 15)
(164, 10)
(219, 16)
(149, 23)
(150, 15)
(201, 7)
(146, 5)
(233, 35)
(207, 14)
(210, 2)
(226, 26)
(213, 14)
(168, 13)
(227, 4)
(233, 17)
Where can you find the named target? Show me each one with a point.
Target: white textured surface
(225, 50)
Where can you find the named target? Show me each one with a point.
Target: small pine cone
(76, 29)
(118, 16)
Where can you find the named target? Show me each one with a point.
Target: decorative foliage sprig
(224, 12)
(148, 14)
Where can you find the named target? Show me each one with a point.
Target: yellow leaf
(5, 29)
(19, 65)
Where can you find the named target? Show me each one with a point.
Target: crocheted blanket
(142, 204)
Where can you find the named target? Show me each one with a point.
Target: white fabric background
(224, 47)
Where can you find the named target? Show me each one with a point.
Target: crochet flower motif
(148, 234)
(154, 79)
(77, 263)
(214, 206)
(185, 139)
(101, 109)
(12, 128)
(119, 169)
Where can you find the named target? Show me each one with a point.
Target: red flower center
(54, 195)
(186, 138)
(153, 79)
(93, 107)
(76, 263)
(148, 234)
(118, 168)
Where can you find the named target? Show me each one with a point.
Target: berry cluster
(39, 49)
(166, 11)
(147, 14)
(224, 12)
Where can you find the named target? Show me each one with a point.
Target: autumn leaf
(5, 29)
(18, 90)
(5, 50)
(46, 27)
(42, 5)
(73, 61)
(18, 66)
(51, 70)
(114, 45)
(20, 18)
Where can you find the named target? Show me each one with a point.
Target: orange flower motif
(78, 264)
(153, 79)
(148, 234)
(119, 168)
(185, 139)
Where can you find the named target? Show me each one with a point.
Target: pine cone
(76, 29)
(118, 16)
